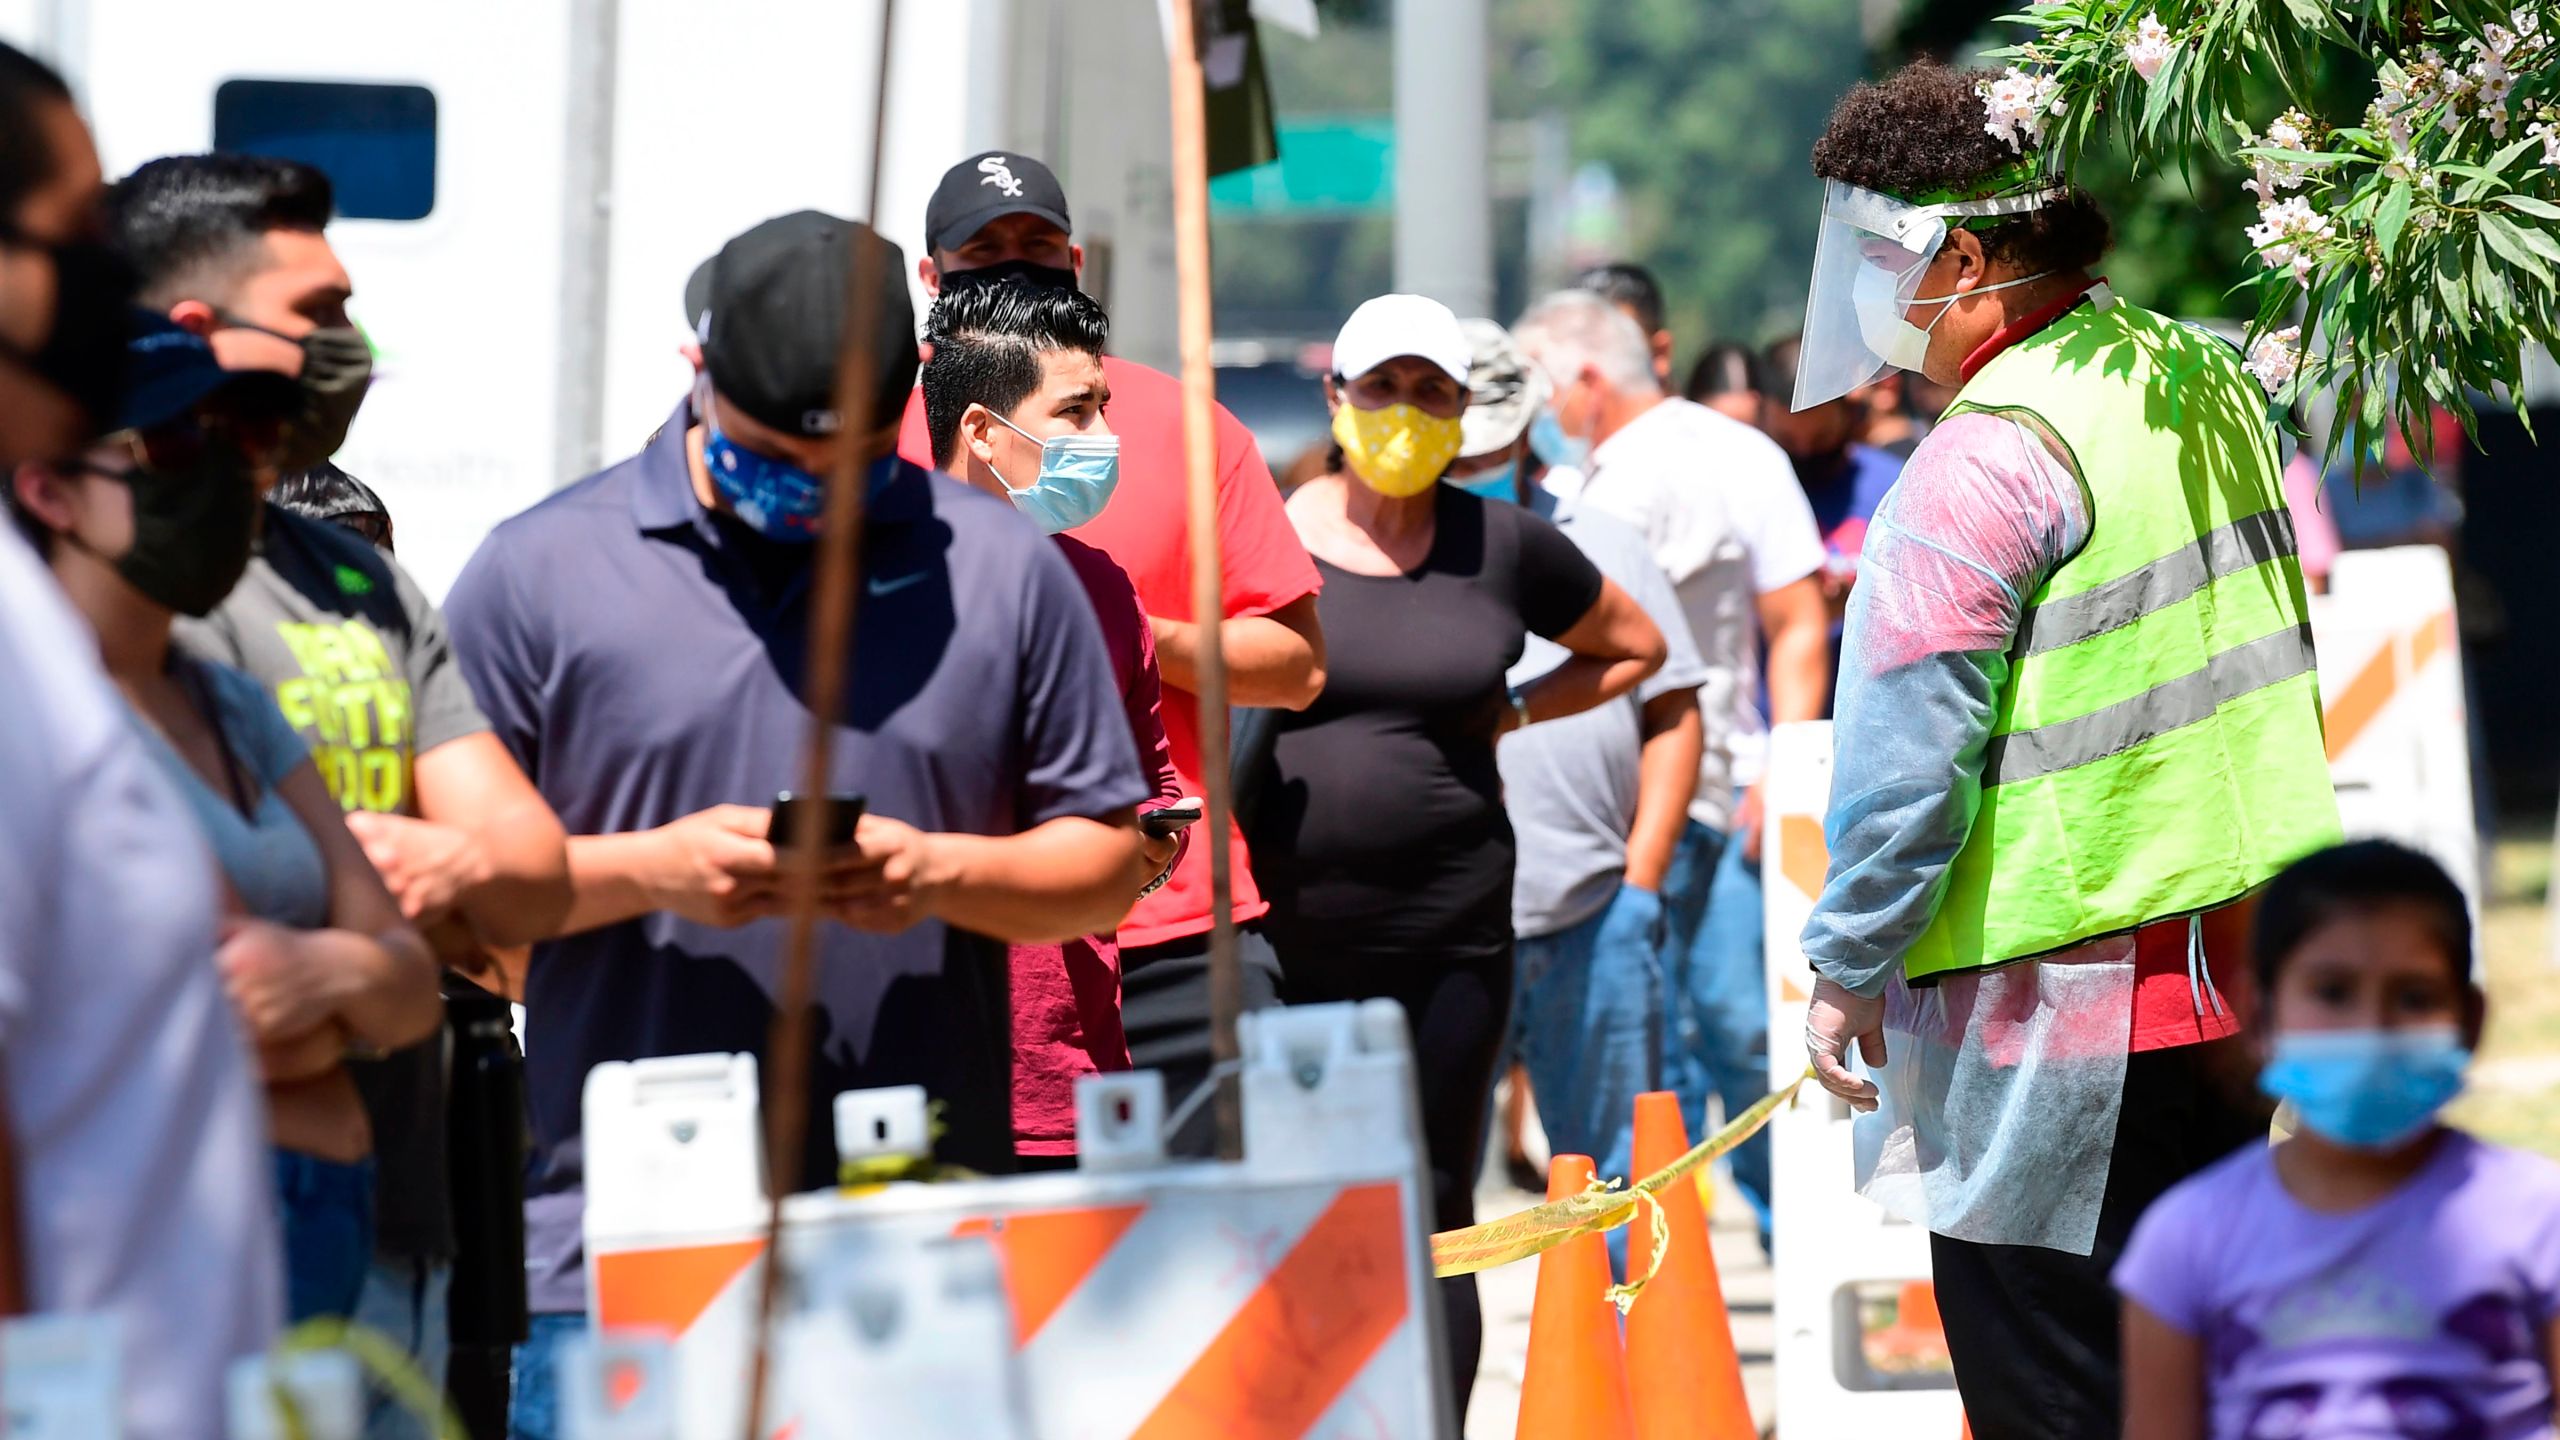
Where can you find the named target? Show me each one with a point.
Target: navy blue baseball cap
(169, 371)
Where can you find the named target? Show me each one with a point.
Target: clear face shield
(1867, 264)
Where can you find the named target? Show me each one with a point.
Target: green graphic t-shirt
(357, 659)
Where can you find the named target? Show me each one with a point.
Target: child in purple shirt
(2378, 1274)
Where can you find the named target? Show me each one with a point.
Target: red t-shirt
(1066, 998)
(1144, 530)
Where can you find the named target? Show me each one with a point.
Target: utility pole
(1444, 153)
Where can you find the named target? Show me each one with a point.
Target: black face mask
(193, 530)
(83, 355)
(337, 369)
(1051, 277)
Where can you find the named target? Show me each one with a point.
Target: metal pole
(1444, 157)
(831, 616)
(1208, 587)
(586, 238)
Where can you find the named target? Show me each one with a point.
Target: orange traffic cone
(1680, 1355)
(1575, 1387)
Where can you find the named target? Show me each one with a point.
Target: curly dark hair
(1920, 129)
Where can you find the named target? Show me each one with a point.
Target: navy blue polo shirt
(642, 657)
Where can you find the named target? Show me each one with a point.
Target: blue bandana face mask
(775, 498)
(2367, 1089)
(1502, 484)
(1077, 475)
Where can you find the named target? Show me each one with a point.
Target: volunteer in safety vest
(2077, 726)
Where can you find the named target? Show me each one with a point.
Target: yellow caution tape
(378, 1355)
(1541, 1228)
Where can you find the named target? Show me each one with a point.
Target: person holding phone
(157, 520)
(1014, 398)
(639, 640)
(1381, 835)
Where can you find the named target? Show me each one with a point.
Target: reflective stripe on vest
(2173, 705)
(2249, 541)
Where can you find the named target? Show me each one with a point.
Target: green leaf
(2540, 242)
(2311, 15)
(2487, 285)
(2508, 156)
(2450, 286)
(2394, 214)
(2526, 203)
(2509, 241)
(2165, 88)
(2308, 159)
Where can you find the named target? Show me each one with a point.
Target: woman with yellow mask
(1378, 834)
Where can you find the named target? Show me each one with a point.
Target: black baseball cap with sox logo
(783, 285)
(988, 186)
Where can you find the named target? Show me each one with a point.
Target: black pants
(1458, 1012)
(1164, 1007)
(2034, 1331)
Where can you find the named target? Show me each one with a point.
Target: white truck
(525, 184)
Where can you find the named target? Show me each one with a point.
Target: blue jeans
(533, 1410)
(1717, 973)
(327, 1210)
(404, 1300)
(1588, 1024)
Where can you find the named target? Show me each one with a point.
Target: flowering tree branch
(2411, 252)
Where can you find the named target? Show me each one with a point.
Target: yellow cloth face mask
(1398, 451)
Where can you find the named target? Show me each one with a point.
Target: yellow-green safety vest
(2157, 748)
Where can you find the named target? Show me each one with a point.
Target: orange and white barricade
(1285, 1295)
(2391, 691)
(1858, 1352)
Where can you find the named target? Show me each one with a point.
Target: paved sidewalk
(1509, 1291)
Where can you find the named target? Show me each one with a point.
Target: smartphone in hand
(844, 812)
(1158, 824)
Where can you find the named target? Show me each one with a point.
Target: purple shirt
(642, 657)
(2420, 1317)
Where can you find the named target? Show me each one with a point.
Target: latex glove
(1747, 818)
(1835, 1017)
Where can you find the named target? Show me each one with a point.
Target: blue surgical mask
(1502, 484)
(1547, 437)
(2369, 1089)
(1077, 475)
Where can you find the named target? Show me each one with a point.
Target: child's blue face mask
(2367, 1089)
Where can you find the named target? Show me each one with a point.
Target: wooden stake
(785, 1082)
(1208, 583)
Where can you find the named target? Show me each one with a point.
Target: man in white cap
(1718, 503)
(1597, 800)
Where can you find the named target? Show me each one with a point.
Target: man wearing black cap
(1002, 213)
(639, 641)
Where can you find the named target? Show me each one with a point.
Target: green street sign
(1334, 165)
